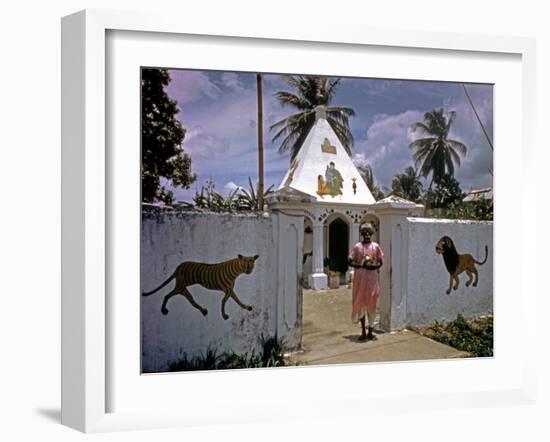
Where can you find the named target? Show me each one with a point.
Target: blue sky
(219, 112)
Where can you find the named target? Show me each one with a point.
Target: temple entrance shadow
(338, 240)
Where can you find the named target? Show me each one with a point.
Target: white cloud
(386, 145)
(222, 138)
(190, 86)
(359, 160)
(231, 81)
(230, 187)
(374, 87)
(474, 170)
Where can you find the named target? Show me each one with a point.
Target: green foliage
(310, 92)
(271, 355)
(248, 200)
(208, 361)
(474, 337)
(447, 193)
(368, 177)
(240, 200)
(209, 199)
(434, 152)
(481, 210)
(446, 201)
(407, 185)
(161, 139)
(273, 350)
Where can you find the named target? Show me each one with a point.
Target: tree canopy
(407, 185)
(366, 173)
(447, 193)
(161, 138)
(435, 153)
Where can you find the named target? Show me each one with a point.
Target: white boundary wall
(171, 237)
(414, 283)
(428, 278)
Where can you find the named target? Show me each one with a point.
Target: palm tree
(407, 185)
(366, 173)
(311, 91)
(435, 152)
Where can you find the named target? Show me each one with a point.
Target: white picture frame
(86, 315)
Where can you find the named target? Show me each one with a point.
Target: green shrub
(474, 337)
(271, 355)
(240, 200)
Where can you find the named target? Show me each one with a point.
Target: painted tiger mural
(220, 276)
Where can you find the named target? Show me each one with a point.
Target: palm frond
(252, 193)
(298, 144)
(454, 156)
(344, 135)
(458, 146)
(450, 165)
(296, 135)
(332, 87)
(450, 120)
(421, 142)
(429, 164)
(421, 126)
(288, 99)
(340, 112)
(291, 123)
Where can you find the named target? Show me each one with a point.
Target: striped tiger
(220, 276)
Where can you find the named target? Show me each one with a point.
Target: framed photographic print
(250, 213)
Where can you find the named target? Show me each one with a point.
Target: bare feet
(371, 336)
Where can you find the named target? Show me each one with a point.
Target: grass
(473, 336)
(271, 355)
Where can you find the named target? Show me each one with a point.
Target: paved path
(331, 338)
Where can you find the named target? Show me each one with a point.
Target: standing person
(366, 258)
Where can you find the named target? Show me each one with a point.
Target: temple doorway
(338, 243)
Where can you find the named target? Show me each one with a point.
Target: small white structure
(323, 185)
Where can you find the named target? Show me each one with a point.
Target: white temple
(324, 186)
(321, 152)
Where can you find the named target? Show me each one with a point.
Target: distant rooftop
(478, 195)
(395, 199)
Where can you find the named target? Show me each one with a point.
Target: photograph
(294, 220)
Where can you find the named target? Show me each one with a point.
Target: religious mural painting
(326, 147)
(331, 183)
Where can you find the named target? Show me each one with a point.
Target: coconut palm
(435, 153)
(368, 177)
(407, 185)
(311, 91)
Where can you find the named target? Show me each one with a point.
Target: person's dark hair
(368, 226)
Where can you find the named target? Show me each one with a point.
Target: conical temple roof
(324, 170)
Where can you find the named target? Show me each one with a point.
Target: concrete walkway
(331, 338)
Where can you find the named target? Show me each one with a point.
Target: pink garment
(366, 284)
